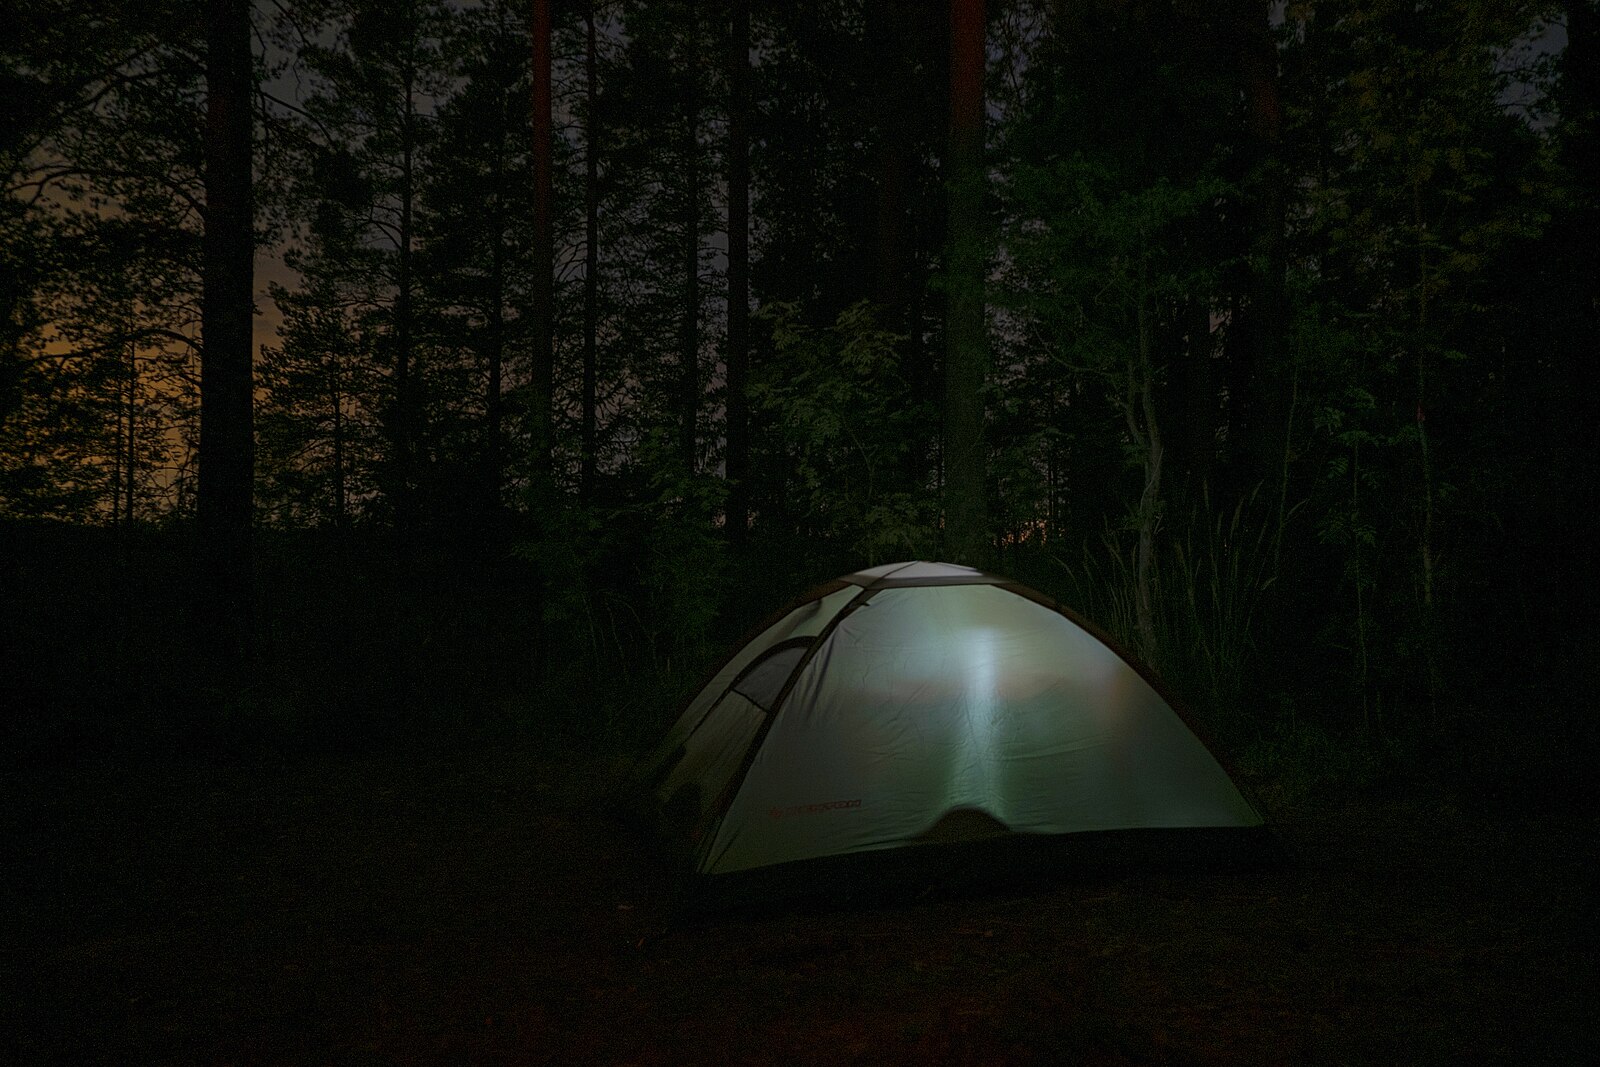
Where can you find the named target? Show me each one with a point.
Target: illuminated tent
(925, 703)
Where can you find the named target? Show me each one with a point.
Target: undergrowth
(362, 644)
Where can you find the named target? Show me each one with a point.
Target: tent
(924, 703)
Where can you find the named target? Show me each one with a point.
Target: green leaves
(846, 422)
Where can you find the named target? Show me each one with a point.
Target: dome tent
(925, 703)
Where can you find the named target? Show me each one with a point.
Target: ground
(471, 905)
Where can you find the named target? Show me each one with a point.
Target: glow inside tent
(925, 702)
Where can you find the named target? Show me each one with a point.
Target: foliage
(1291, 318)
(100, 244)
(317, 427)
(1219, 581)
(836, 398)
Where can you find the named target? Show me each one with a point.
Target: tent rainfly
(919, 703)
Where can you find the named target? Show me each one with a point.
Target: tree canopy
(1262, 331)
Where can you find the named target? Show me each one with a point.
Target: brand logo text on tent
(812, 809)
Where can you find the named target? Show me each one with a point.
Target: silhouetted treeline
(1264, 333)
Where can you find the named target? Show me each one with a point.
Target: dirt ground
(471, 907)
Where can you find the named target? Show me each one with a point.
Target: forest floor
(471, 905)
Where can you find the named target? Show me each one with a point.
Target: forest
(388, 376)
(1262, 334)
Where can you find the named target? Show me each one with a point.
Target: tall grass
(1102, 586)
(624, 674)
(1211, 587)
(1217, 588)
(1217, 579)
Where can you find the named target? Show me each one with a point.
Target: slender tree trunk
(123, 458)
(885, 25)
(1256, 407)
(1579, 98)
(1360, 583)
(542, 398)
(1146, 432)
(131, 457)
(1191, 402)
(494, 409)
(405, 385)
(966, 341)
(1052, 480)
(925, 466)
(1579, 103)
(898, 87)
(494, 401)
(124, 463)
(689, 347)
(591, 253)
(888, 266)
(1425, 546)
(227, 433)
(738, 360)
(543, 303)
(116, 464)
(336, 405)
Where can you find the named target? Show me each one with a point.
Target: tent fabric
(925, 702)
(805, 620)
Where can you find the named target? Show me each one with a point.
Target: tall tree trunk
(689, 346)
(543, 303)
(124, 457)
(404, 372)
(1190, 396)
(227, 432)
(131, 457)
(1579, 97)
(884, 27)
(1580, 104)
(1425, 536)
(738, 358)
(494, 401)
(542, 392)
(494, 410)
(1140, 409)
(1257, 360)
(898, 86)
(966, 341)
(591, 250)
(336, 406)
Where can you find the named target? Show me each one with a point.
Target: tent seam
(736, 784)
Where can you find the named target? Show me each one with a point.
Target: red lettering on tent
(813, 809)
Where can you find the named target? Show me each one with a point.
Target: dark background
(1261, 334)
